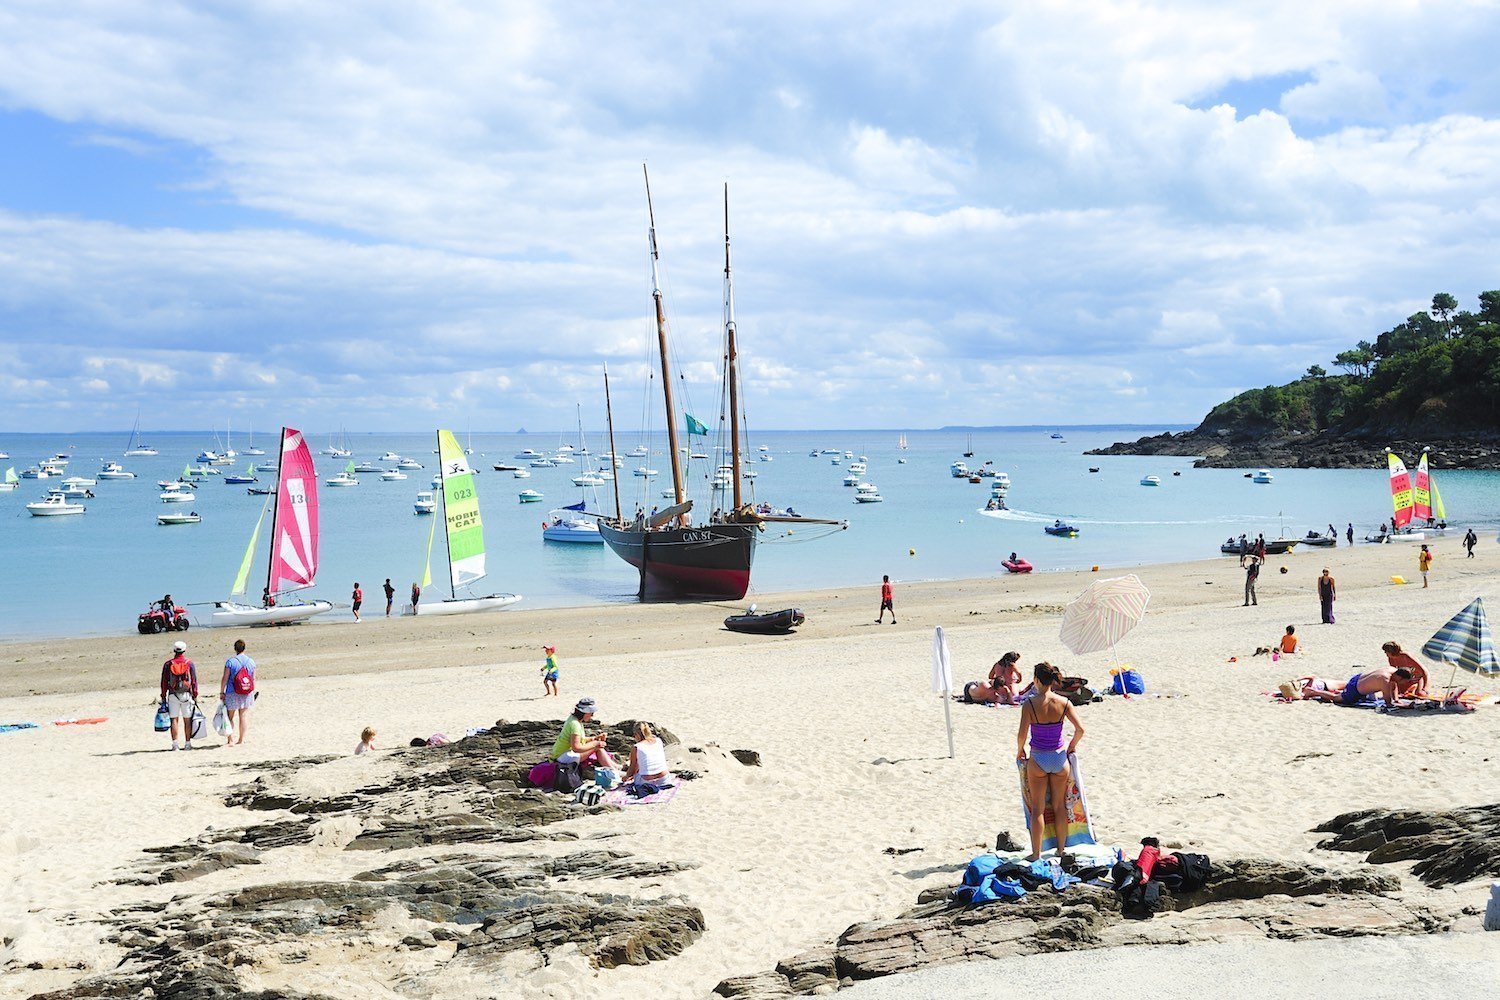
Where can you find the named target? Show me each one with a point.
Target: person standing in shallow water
(1349, 533)
(1327, 594)
(390, 596)
(887, 601)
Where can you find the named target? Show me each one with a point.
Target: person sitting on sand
(1289, 641)
(1042, 719)
(573, 745)
(366, 741)
(1004, 677)
(648, 758)
(1396, 657)
(1384, 682)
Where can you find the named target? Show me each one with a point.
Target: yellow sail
(427, 573)
(243, 578)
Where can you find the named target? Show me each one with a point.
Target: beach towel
(1080, 824)
(16, 727)
(622, 797)
(80, 722)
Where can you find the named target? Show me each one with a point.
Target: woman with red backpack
(237, 692)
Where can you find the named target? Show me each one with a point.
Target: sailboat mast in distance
(661, 340)
(733, 374)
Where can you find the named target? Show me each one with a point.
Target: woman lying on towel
(1384, 682)
(999, 688)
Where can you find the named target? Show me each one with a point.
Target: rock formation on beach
(1247, 895)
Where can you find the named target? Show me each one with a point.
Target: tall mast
(666, 372)
(733, 373)
(443, 488)
(275, 502)
(609, 416)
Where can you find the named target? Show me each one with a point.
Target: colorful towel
(80, 722)
(15, 727)
(1080, 824)
(620, 797)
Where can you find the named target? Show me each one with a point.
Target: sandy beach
(853, 810)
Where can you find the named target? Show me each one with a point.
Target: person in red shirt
(886, 601)
(179, 692)
(358, 597)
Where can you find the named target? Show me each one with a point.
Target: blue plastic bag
(163, 719)
(605, 777)
(1128, 682)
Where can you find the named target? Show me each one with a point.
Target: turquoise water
(92, 574)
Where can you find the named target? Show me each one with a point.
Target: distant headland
(1432, 382)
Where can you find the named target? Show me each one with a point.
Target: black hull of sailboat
(710, 562)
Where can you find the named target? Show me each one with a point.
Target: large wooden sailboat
(675, 556)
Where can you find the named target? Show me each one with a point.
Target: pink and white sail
(294, 533)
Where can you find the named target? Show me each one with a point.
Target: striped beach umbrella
(1099, 617)
(1465, 641)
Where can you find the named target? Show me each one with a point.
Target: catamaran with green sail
(293, 565)
(463, 533)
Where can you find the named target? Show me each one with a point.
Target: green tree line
(1437, 372)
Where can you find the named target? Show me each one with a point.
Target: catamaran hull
(710, 562)
(227, 614)
(467, 605)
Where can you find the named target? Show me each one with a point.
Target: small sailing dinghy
(293, 563)
(464, 534)
(771, 623)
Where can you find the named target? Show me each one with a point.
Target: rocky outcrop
(1224, 450)
(1450, 846)
(1273, 898)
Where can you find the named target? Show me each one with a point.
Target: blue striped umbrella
(1465, 641)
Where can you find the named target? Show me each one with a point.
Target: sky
(391, 216)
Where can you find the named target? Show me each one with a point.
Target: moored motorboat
(1150, 480)
(1015, 564)
(1262, 476)
(392, 476)
(189, 518)
(1061, 530)
(177, 496)
(1274, 546)
(569, 525)
(425, 503)
(54, 505)
(113, 470)
(408, 465)
(530, 496)
(770, 623)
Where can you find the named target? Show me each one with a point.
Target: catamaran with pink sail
(294, 545)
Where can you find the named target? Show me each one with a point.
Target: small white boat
(639, 451)
(342, 479)
(144, 451)
(644, 472)
(588, 479)
(568, 526)
(520, 474)
(113, 470)
(466, 605)
(527, 454)
(870, 497)
(228, 613)
(1151, 480)
(189, 518)
(764, 447)
(392, 476)
(542, 463)
(958, 470)
(78, 481)
(35, 473)
(58, 461)
(865, 488)
(436, 482)
(669, 494)
(835, 460)
(54, 505)
(900, 461)
(530, 496)
(766, 458)
(858, 468)
(698, 455)
(267, 467)
(11, 481)
(390, 456)
(207, 457)
(74, 492)
(561, 459)
(408, 464)
(1262, 476)
(177, 496)
(200, 471)
(851, 480)
(368, 467)
(425, 503)
(749, 474)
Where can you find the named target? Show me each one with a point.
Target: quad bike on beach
(155, 620)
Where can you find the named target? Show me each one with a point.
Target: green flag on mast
(695, 426)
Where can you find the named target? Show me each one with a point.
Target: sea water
(92, 574)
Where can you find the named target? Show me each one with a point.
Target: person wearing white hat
(179, 692)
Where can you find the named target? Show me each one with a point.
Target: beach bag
(1076, 690)
(163, 718)
(588, 795)
(243, 680)
(567, 777)
(1193, 873)
(1142, 900)
(221, 721)
(542, 774)
(200, 724)
(605, 777)
(1128, 682)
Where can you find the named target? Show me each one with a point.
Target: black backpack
(567, 777)
(1193, 873)
(1076, 690)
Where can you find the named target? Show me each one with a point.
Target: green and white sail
(243, 578)
(10, 475)
(461, 524)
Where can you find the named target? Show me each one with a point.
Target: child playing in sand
(550, 671)
(1289, 641)
(366, 741)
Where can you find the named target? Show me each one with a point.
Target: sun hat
(179, 647)
(585, 706)
(549, 649)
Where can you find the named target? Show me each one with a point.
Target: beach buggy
(155, 619)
